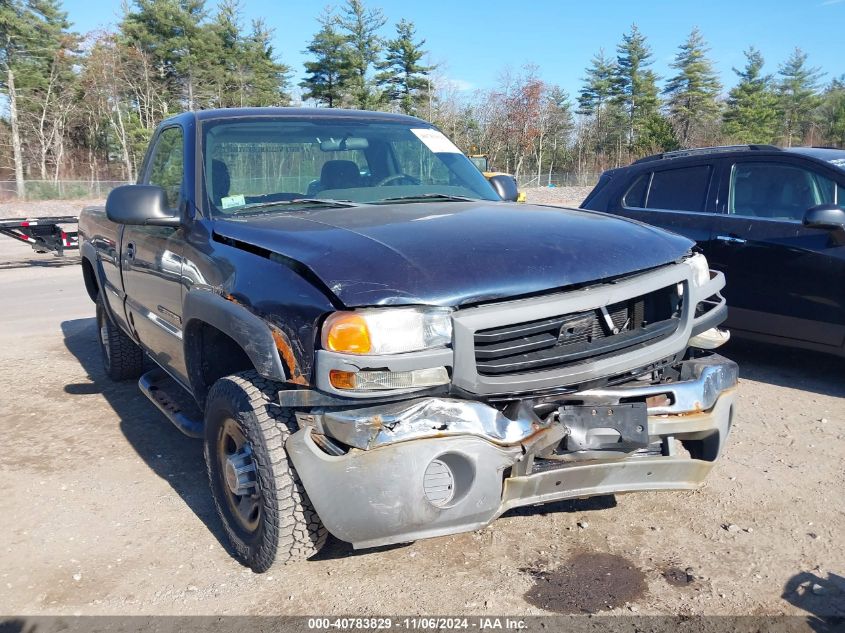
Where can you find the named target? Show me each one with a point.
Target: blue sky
(473, 41)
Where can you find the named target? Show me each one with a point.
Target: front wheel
(264, 507)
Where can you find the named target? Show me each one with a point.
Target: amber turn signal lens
(342, 379)
(347, 332)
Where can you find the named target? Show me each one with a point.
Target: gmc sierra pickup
(370, 339)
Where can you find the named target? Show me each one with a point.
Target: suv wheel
(264, 507)
(122, 357)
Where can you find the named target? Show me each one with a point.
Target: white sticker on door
(435, 140)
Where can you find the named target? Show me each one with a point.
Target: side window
(777, 190)
(683, 189)
(166, 164)
(635, 196)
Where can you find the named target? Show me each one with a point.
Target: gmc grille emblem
(574, 329)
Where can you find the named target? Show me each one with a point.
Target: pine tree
(18, 30)
(361, 25)
(169, 32)
(693, 93)
(36, 64)
(267, 78)
(636, 86)
(599, 85)
(223, 66)
(328, 77)
(403, 79)
(797, 96)
(751, 114)
(832, 113)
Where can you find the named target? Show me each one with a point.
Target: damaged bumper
(433, 466)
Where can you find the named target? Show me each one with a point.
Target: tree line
(85, 106)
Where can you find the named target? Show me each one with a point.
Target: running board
(166, 394)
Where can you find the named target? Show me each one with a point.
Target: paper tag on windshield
(435, 140)
(232, 201)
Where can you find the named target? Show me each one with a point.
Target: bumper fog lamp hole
(438, 483)
(447, 479)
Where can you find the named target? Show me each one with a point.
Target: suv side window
(683, 189)
(635, 196)
(166, 164)
(778, 190)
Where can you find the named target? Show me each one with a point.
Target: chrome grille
(572, 338)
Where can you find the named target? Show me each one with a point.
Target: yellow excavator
(482, 162)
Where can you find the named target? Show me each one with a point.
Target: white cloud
(461, 85)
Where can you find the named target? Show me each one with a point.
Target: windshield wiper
(297, 201)
(429, 196)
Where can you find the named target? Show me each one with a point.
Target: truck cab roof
(311, 113)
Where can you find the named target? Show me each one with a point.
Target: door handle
(130, 251)
(730, 239)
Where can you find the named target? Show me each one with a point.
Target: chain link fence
(59, 189)
(561, 179)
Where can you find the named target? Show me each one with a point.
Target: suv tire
(263, 505)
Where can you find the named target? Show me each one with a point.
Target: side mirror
(506, 187)
(140, 205)
(825, 216)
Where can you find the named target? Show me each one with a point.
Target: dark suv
(772, 219)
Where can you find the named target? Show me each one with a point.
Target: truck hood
(454, 253)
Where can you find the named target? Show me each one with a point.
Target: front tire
(122, 357)
(264, 507)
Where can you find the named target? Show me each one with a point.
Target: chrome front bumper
(375, 494)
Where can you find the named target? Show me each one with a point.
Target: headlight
(387, 330)
(385, 380)
(700, 269)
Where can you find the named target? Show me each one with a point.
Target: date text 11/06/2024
(416, 623)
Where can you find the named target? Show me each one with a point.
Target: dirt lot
(105, 507)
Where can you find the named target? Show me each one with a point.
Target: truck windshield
(250, 163)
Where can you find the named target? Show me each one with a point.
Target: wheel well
(90, 278)
(211, 354)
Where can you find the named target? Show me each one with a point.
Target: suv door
(152, 261)
(680, 199)
(783, 279)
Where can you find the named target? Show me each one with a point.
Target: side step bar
(171, 400)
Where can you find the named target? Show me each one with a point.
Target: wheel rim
(239, 476)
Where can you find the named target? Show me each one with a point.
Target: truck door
(152, 261)
(783, 279)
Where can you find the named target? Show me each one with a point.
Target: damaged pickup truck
(372, 341)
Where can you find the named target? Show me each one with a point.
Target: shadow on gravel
(604, 502)
(169, 454)
(823, 598)
(786, 367)
(336, 549)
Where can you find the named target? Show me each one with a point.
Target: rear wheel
(263, 505)
(122, 357)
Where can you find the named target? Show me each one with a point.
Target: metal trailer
(43, 234)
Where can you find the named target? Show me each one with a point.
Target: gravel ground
(28, 209)
(105, 506)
